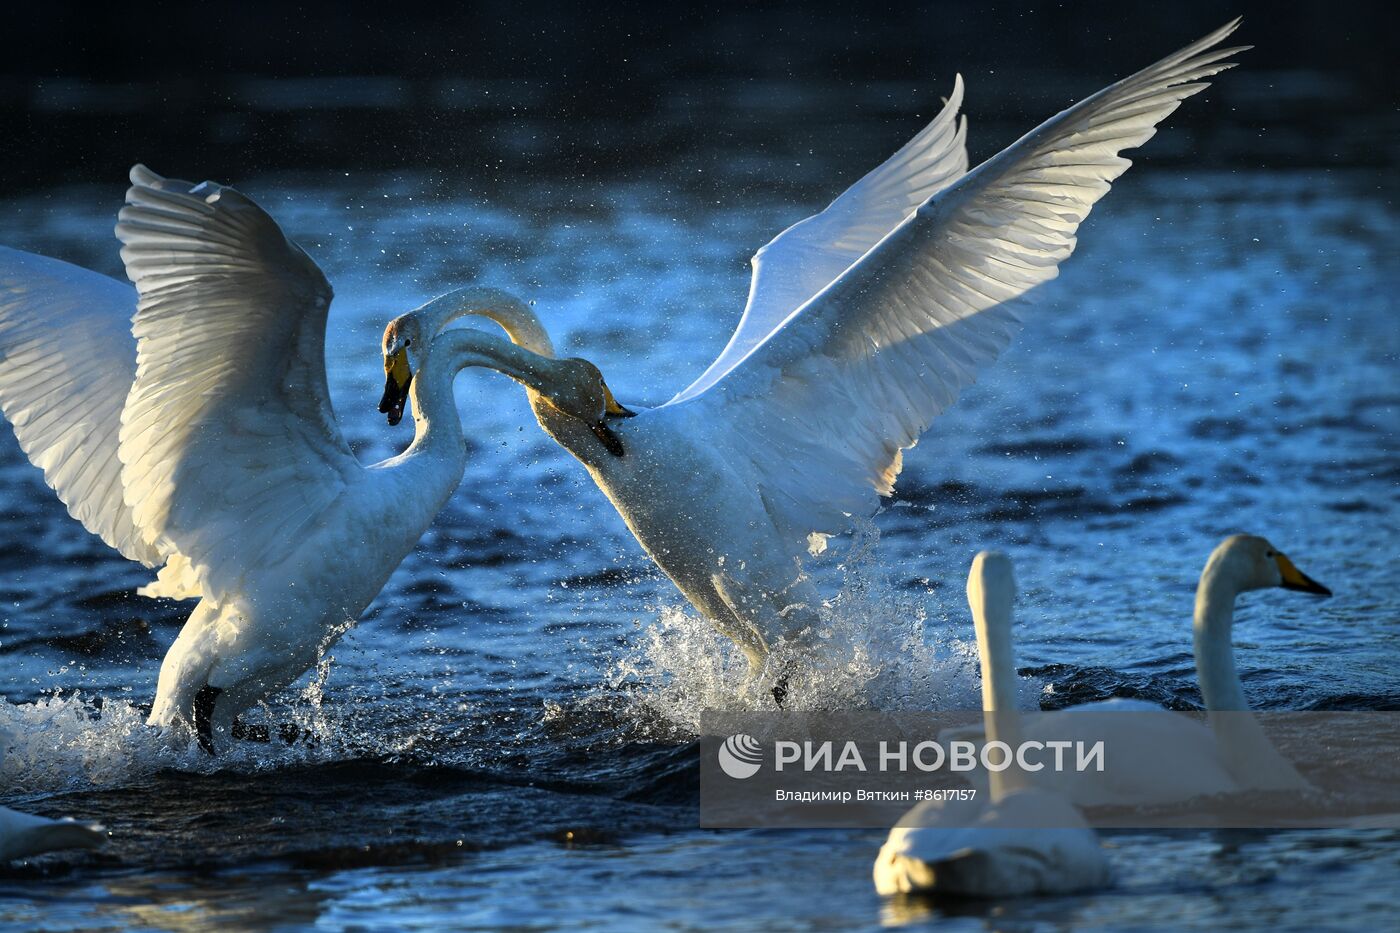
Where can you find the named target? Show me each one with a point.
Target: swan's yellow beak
(604, 433)
(398, 377)
(611, 405)
(1295, 579)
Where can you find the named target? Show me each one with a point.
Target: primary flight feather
(187, 423)
(863, 323)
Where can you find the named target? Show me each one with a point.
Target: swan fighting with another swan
(863, 323)
(187, 423)
(196, 434)
(1020, 838)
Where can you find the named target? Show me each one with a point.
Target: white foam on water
(70, 741)
(73, 741)
(880, 649)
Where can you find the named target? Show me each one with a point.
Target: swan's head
(991, 584)
(580, 391)
(1255, 564)
(402, 345)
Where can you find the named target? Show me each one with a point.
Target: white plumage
(1013, 839)
(826, 402)
(229, 446)
(1027, 842)
(863, 324)
(1160, 757)
(811, 254)
(198, 437)
(67, 361)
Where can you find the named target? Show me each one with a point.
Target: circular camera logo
(740, 756)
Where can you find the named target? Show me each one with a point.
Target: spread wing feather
(67, 361)
(809, 255)
(825, 405)
(229, 443)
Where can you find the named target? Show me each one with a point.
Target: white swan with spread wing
(863, 323)
(187, 423)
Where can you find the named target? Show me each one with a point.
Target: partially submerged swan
(1017, 840)
(1160, 757)
(23, 835)
(863, 323)
(198, 437)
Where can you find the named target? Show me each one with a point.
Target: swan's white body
(22, 835)
(1161, 757)
(863, 323)
(1015, 839)
(706, 524)
(187, 423)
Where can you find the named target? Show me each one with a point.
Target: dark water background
(504, 742)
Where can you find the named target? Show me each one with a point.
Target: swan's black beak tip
(1294, 579)
(394, 399)
(1307, 585)
(398, 377)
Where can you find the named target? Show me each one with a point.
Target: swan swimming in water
(1161, 757)
(863, 323)
(198, 437)
(1019, 839)
(23, 835)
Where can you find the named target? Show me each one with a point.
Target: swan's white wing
(67, 360)
(825, 406)
(229, 444)
(809, 255)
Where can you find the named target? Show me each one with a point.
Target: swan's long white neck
(1212, 636)
(1246, 750)
(513, 315)
(990, 591)
(426, 474)
(435, 417)
(525, 330)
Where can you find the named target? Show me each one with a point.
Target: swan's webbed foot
(780, 691)
(204, 702)
(287, 733)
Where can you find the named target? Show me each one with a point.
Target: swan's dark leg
(780, 691)
(204, 702)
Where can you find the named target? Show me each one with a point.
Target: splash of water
(880, 649)
(69, 741)
(73, 741)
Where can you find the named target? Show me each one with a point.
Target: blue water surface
(506, 739)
